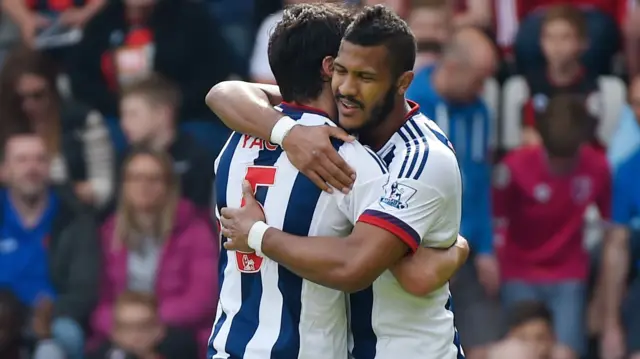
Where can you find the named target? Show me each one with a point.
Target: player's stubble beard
(379, 113)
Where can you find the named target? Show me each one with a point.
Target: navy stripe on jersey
(414, 138)
(395, 221)
(221, 182)
(420, 145)
(423, 161)
(245, 322)
(364, 338)
(456, 337)
(297, 220)
(390, 155)
(383, 168)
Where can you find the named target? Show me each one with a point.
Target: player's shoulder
(305, 115)
(362, 159)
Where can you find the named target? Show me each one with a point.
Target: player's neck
(377, 137)
(324, 102)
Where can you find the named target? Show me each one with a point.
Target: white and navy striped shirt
(266, 311)
(421, 206)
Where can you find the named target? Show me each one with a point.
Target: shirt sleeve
(622, 201)
(371, 178)
(423, 209)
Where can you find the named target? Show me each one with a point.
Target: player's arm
(616, 261)
(248, 108)
(378, 240)
(430, 268)
(245, 107)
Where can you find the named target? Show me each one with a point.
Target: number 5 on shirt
(258, 176)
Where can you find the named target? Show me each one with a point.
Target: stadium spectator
(259, 68)
(49, 249)
(478, 13)
(430, 21)
(622, 245)
(531, 323)
(138, 332)
(149, 115)
(563, 39)
(449, 94)
(626, 140)
(400, 7)
(155, 243)
(601, 31)
(75, 135)
(32, 16)
(130, 39)
(540, 198)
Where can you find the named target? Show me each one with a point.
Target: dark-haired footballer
(419, 207)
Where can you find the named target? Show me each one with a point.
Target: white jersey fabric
(421, 206)
(265, 311)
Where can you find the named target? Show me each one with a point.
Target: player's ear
(327, 66)
(403, 82)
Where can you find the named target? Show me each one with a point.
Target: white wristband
(256, 233)
(281, 130)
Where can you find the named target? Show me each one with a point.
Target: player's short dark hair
(378, 25)
(566, 110)
(569, 13)
(156, 89)
(306, 35)
(527, 311)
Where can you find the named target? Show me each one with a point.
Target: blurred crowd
(107, 242)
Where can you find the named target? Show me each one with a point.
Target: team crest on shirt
(581, 189)
(398, 196)
(248, 262)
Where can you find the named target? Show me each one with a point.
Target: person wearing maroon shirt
(564, 39)
(602, 29)
(540, 197)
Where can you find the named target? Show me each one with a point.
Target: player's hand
(310, 150)
(237, 222)
(488, 273)
(612, 344)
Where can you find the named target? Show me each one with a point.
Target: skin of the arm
(430, 268)
(348, 264)
(615, 269)
(245, 107)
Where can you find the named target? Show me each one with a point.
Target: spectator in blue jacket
(450, 94)
(49, 252)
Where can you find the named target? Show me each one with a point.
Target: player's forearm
(615, 269)
(429, 269)
(328, 261)
(246, 108)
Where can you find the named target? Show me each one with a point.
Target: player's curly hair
(378, 25)
(306, 34)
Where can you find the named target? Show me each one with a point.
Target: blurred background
(107, 247)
